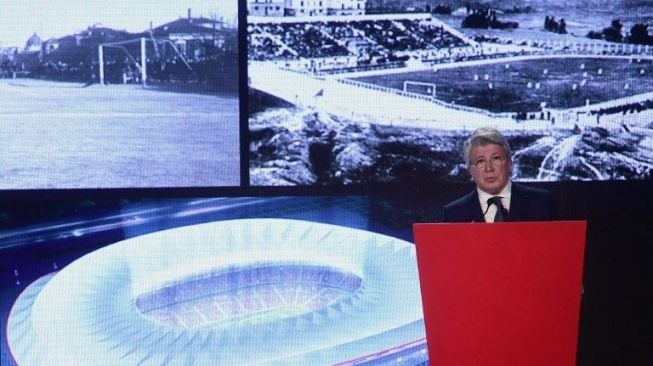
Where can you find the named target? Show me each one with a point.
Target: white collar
(504, 194)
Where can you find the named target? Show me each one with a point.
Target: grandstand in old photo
(340, 95)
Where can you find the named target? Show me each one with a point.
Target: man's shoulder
(521, 189)
(462, 201)
(463, 209)
(532, 204)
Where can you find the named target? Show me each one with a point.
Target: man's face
(489, 167)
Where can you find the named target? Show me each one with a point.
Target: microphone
(504, 211)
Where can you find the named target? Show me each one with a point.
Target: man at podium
(496, 198)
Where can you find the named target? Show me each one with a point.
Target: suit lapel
(518, 199)
(473, 205)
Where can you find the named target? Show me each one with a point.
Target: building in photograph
(301, 8)
(266, 8)
(194, 37)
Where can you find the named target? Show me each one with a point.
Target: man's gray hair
(483, 136)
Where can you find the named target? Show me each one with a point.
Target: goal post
(420, 87)
(125, 52)
(127, 61)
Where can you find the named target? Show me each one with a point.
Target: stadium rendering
(252, 291)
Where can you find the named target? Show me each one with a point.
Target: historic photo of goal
(106, 95)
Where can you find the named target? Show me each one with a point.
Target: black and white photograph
(119, 94)
(386, 91)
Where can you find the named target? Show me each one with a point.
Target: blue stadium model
(248, 291)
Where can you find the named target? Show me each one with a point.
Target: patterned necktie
(501, 211)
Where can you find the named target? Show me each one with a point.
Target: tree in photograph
(613, 32)
(552, 25)
(486, 18)
(639, 35)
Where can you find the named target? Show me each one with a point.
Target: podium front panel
(501, 294)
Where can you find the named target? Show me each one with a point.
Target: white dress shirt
(492, 210)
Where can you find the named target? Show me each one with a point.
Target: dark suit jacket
(526, 204)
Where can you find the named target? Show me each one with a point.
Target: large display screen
(387, 91)
(148, 95)
(181, 177)
(206, 281)
(119, 94)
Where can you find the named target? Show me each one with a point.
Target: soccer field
(522, 86)
(63, 135)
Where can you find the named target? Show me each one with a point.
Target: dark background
(615, 326)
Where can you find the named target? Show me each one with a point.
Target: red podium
(501, 294)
